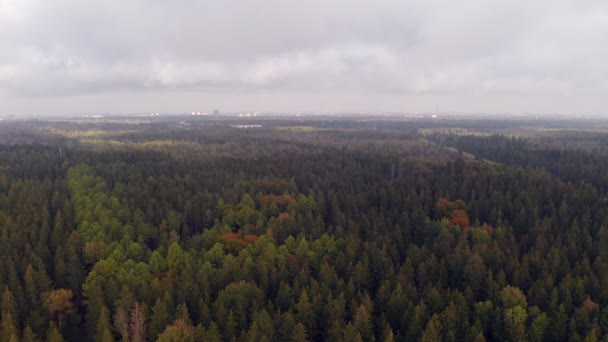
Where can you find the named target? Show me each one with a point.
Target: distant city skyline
(473, 56)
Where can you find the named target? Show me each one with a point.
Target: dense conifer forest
(307, 229)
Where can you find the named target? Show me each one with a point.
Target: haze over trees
(346, 230)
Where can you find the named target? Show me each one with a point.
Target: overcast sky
(75, 56)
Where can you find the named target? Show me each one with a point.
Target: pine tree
(182, 313)
(29, 335)
(515, 322)
(351, 334)
(299, 333)
(8, 329)
(103, 328)
(388, 335)
(158, 320)
(54, 335)
(432, 332)
(363, 324)
(213, 333)
(230, 326)
(304, 310)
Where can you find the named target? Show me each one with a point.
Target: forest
(303, 229)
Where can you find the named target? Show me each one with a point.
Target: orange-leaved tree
(58, 302)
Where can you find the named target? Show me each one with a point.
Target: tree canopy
(350, 230)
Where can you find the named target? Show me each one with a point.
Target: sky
(138, 56)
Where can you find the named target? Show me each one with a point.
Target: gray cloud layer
(344, 55)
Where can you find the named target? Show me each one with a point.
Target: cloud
(471, 55)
